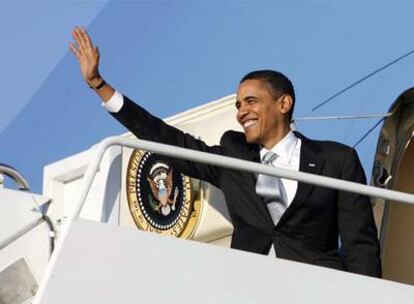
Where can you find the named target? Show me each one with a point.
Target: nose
(241, 112)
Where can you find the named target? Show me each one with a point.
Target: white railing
(14, 175)
(211, 159)
(232, 163)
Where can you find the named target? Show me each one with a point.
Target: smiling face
(263, 117)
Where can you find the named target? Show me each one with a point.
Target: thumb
(96, 50)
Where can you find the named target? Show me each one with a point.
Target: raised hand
(87, 55)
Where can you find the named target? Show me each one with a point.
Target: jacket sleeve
(356, 223)
(148, 127)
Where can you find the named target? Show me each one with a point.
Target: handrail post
(88, 178)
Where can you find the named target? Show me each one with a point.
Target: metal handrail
(15, 175)
(344, 117)
(211, 159)
(233, 163)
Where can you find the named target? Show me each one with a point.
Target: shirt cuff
(115, 103)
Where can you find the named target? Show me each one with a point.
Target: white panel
(70, 193)
(33, 246)
(63, 180)
(107, 264)
(19, 212)
(224, 242)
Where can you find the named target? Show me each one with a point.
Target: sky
(170, 56)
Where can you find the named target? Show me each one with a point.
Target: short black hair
(277, 82)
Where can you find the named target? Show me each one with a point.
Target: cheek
(238, 117)
(269, 123)
(265, 117)
(272, 117)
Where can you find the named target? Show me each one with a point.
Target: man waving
(297, 221)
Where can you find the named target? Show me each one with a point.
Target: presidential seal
(160, 198)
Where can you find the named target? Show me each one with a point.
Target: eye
(237, 105)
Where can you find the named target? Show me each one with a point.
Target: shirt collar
(284, 148)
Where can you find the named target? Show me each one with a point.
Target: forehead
(253, 87)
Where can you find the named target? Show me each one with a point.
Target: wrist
(96, 83)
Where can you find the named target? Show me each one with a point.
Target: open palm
(87, 55)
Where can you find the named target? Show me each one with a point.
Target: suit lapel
(310, 162)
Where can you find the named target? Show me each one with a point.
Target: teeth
(249, 123)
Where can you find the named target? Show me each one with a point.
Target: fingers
(86, 38)
(79, 41)
(74, 51)
(83, 41)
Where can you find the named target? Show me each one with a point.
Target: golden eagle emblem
(161, 182)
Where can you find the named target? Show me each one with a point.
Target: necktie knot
(269, 157)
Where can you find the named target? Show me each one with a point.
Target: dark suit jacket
(309, 229)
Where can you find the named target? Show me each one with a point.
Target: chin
(250, 139)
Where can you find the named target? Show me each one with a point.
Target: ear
(285, 104)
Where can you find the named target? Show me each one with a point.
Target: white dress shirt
(115, 103)
(288, 151)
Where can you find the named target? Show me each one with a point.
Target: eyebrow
(250, 97)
